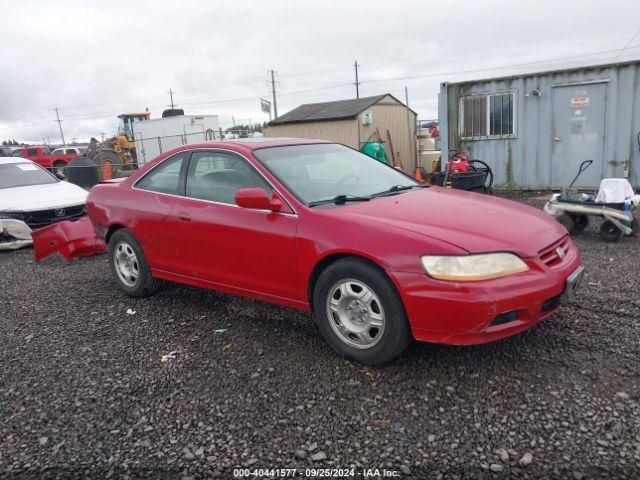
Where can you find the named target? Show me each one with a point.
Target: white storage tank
(156, 136)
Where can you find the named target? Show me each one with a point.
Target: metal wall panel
(525, 161)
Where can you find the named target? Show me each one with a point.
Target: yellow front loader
(118, 153)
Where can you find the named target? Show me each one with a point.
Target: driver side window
(216, 176)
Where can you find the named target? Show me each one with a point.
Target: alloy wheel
(126, 264)
(355, 313)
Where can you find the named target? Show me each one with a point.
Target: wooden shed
(353, 122)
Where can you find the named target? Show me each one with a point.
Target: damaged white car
(31, 198)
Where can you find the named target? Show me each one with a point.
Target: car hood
(41, 197)
(474, 222)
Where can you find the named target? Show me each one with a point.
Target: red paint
(41, 156)
(270, 255)
(70, 239)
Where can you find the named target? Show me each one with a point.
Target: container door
(578, 133)
(194, 133)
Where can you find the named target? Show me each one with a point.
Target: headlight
(471, 268)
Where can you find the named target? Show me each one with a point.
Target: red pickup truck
(42, 156)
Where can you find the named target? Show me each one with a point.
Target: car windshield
(332, 173)
(23, 175)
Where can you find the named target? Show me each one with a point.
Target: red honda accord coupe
(379, 258)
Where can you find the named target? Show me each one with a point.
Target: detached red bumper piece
(69, 239)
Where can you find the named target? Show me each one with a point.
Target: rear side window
(217, 176)
(32, 152)
(164, 178)
(71, 151)
(17, 153)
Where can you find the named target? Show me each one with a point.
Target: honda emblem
(560, 252)
(59, 212)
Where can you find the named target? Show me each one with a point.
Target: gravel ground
(84, 394)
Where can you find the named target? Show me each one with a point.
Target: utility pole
(273, 92)
(170, 92)
(355, 64)
(60, 125)
(412, 131)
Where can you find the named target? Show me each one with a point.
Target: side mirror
(257, 199)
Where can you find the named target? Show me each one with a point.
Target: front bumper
(468, 313)
(70, 239)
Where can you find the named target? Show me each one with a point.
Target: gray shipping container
(534, 130)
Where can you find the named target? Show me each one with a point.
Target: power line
(626, 45)
(487, 69)
(251, 80)
(333, 86)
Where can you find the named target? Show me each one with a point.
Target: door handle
(184, 217)
(556, 139)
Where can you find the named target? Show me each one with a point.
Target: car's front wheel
(360, 313)
(129, 265)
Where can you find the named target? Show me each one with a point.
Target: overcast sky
(94, 60)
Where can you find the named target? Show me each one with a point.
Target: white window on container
(487, 115)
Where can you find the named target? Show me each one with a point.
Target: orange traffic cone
(106, 171)
(418, 175)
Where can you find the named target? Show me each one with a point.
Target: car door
(149, 210)
(220, 242)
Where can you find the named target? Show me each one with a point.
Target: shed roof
(325, 111)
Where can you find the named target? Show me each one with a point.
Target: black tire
(580, 222)
(60, 170)
(108, 157)
(567, 222)
(396, 334)
(480, 166)
(145, 284)
(609, 232)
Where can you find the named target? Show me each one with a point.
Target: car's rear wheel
(360, 313)
(129, 265)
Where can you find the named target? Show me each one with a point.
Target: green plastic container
(375, 150)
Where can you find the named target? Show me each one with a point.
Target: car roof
(5, 160)
(256, 143)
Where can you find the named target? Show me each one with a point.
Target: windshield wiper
(396, 189)
(338, 199)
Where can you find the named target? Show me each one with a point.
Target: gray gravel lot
(83, 393)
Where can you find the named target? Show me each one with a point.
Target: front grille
(42, 218)
(550, 255)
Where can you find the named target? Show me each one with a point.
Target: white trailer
(156, 136)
